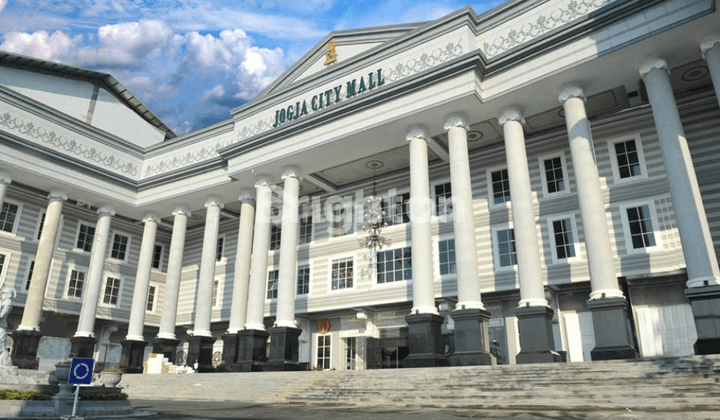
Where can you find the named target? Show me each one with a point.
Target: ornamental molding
(709, 43)
(546, 21)
(424, 61)
(570, 92)
(458, 120)
(511, 114)
(66, 144)
(651, 64)
(418, 132)
(185, 158)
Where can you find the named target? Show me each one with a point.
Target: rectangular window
(157, 256)
(342, 274)
(8, 214)
(323, 352)
(397, 209)
(641, 230)
(447, 256)
(554, 178)
(303, 280)
(443, 199)
(275, 233)
(628, 161)
(119, 247)
(305, 229)
(2, 264)
(220, 248)
(341, 223)
(150, 303)
(75, 286)
(272, 284)
(40, 226)
(394, 265)
(29, 276)
(112, 291)
(564, 241)
(500, 186)
(215, 291)
(86, 233)
(506, 247)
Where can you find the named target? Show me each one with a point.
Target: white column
(603, 281)
(420, 214)
(174, 270)
(288, 249)
(532, 292)
(238, 311)
(259, 259)
(5, 180)
(710, 48)
(700, 258)
(46, 247)
(136, 323)
(91, 294)
(463, 215)
(208, 258)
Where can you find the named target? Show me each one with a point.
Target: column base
(133, 354)
(613, 336)
(82, 347)
(25, 347)
(229, 353)
(251, 350)
(705, 303)
(471, 338)
(166, 346)
(424, 344)
(536, 336)
(284, 348)
(200, 351)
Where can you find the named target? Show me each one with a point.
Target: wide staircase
(663, 385)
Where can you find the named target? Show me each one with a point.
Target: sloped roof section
(24, 62)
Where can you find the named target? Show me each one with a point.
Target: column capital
(57, 194)
(417, 132)
(709, 43)
(292, 171)
(5, 177)
(246, 194)
(569, 92)
(264, 181)
(457, 119)
(214, 200)
(181, 209)
(651, 64)
(106, 210)
(151, 217)
(511, 114)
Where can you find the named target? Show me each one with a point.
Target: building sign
(329, 97)
(330, 54)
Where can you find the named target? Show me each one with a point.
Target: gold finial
(330, 54)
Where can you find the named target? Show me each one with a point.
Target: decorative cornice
(511, 114)
(418, 132)
(456, 120)
(65, 144)
(709, 43)
(292, 171)
(5, 177)
(151, 217)
(185, 158)
(424, 61)
(57, 194)
(569, 92)
(181, 209)
(264, 181)
(651, 64)
(106, 210)
(214, 201)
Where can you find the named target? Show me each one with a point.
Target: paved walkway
(212, 410)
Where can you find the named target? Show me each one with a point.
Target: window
(215, 292)
(157, 256)
(554, 175)
(3, 260)
(272, 284)
(29, 275)
(303, 280)
(562, 231)
(119, 247)
(40, 226)
(397, 209)
(275, 233)
(628, 162)
(305, 230)
(446, 250)
(112, 291)
(394, 265)
(220, 248)
(8, 217)
(150, 303)
(500, 186)
(641, 228)
(443, 199)
(341, 219)
(85, 236)
(323, 351)
(75, 285)
(506, 248)
(342, 274)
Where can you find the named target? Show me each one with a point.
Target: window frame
(297, 278)
(275, 231)
(301, 219)
(446, 215)
(79, 269)
(496, 248)
(553, 244)
(217, 296)
(18, 215)
(491, 192)
(339, 257)
(327, 343)
(276, 273)
(615, 164)
(111, 248)
(103, 290)
(38, 226)
(627, 234)
(5, 266)
(77, 237)
(543, 174)
(437, 244)
(29, 268)
(161, 259)
(155, 298)
(402, 204)
(223, 257)
(403, 281)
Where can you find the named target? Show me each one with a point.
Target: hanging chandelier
(374, 217)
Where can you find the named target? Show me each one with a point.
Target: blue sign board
(81, 371)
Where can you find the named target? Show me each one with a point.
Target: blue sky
(192, 61)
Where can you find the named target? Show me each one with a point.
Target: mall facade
(548, 182)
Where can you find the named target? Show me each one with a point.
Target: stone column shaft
(208, 258)
(711, 53)
(91, 294)
(700, 258)
(420, 213)
(603, 281)
(259, 259)
(46, 247)
(288, 249)
(238, 311)
(136, 323)
(174, 270)
(5, 180)
(532, 291)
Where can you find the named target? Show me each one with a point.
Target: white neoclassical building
(548, 179)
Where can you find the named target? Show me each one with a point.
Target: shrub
(103, 396)
(113, 370)
(11, 394)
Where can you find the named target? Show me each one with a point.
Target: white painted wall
(115, 117)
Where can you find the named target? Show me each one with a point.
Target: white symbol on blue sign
(81, 371)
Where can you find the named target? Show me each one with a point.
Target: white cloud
(40, 44)
(127, 44)
(3, 3)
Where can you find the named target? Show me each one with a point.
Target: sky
(193, 61)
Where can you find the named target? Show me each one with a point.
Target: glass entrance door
(351, 353)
